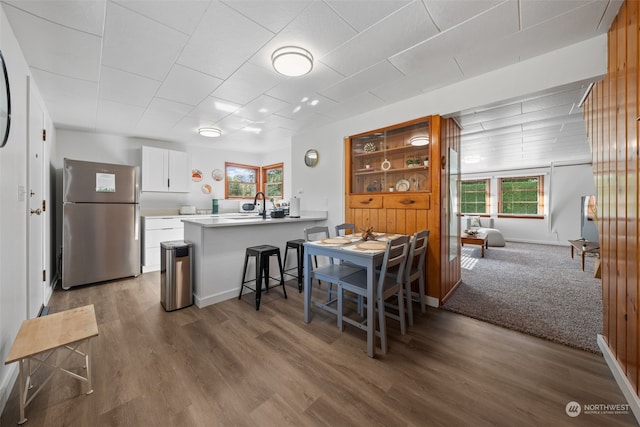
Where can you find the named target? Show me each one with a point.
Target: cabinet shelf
(415, 169)
(378, 153)
(378, 160)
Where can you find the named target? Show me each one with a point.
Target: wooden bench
(39, 339)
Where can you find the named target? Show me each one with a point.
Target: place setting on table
(365, 241)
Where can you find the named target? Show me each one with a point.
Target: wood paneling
(611, 113)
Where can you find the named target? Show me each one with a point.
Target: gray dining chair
(329, 272)
(414, 270)
(344, 229)
(387, 285)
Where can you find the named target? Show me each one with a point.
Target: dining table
(352, 249)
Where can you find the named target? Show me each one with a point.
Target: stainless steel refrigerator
(100, 222)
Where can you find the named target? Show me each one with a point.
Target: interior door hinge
(44, 275)
(44, 206)
(44, 134)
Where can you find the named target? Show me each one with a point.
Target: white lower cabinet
(155, 231)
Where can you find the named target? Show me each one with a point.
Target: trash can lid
(174, 244)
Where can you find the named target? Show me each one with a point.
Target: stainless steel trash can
(176, 273)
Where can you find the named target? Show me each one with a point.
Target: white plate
(403, 185)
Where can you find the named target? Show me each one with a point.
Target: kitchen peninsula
(219, 245)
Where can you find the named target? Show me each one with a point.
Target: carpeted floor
(536, 289)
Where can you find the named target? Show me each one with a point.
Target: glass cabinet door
(396, 159)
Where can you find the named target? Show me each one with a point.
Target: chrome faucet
(264, 204)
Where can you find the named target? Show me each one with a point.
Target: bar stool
(298, 245)
(262, 253)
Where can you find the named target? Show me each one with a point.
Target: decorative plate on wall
(217, 175)
(206, 189)
(196, 175)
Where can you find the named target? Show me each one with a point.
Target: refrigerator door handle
(136, 222)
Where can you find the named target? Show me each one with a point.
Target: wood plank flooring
(228, 365)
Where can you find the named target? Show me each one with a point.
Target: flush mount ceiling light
(419, 140)
(210, 132)
(292, 61)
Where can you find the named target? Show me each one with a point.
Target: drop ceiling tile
(361, 82)
(71, 102)
(213, 51)
(261, 107)
(275, 121)
(247, 84)
(273, 15)
(552, 34)
(479, 31)
(115, 115)
(126, 88)
(163, 113)
(410, 25)
(138, 44)
(360, 17)
(55, 48)
(187, 86)
(534, 12)
(209, 110)
(438, 75)
(292, 90)
(359, 104)
(85, 16)
(447, 13)
(182, 15)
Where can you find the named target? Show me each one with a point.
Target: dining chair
(414, 269)
(387, 285)
(344, 229)
(331, 272)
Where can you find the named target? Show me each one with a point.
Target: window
(273, 181)
(521, 196)
(242, 180)
(474, 196)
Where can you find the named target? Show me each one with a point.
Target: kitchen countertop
(233, 220)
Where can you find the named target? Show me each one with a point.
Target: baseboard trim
(618, 373)
(432, 302)
(7, 384)
(214, 299)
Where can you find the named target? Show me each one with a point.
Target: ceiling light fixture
(292, 61)
(419, 140)
(210, 132)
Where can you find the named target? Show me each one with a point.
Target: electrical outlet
(21, 192)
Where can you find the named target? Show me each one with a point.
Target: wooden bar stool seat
(262, 254)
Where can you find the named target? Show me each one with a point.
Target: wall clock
(5, 104)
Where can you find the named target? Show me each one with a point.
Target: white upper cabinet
(165, 170)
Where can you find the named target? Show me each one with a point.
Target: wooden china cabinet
(394, 183)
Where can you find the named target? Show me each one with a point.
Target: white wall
(120, 149)
(564, 185)
(14, 206)
(324, 184)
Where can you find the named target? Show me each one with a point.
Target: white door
(36, 206)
